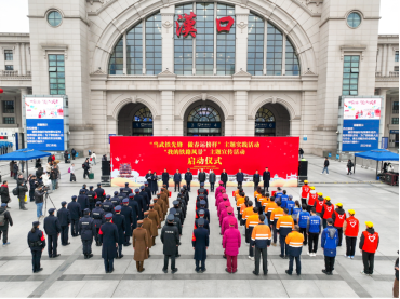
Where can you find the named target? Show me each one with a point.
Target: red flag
(193, 236)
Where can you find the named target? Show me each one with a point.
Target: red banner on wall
(133, 157)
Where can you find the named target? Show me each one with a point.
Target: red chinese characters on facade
(221, 26)
(187, 26)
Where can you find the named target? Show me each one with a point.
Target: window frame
(395, 104)
(396, 56)
(57, 74)
(347, 19)
(48, 18)
(8, 54)
(394, 121)
(8, 122)
(348, 81)
(8, 67)
(4, 106)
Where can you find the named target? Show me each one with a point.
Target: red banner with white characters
(133, 157)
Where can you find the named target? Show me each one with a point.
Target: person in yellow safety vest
(284, 226)
(295, 241)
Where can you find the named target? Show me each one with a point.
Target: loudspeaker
(105, 181)
(303, 168)
(105, 168)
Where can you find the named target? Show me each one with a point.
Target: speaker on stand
(106, 171)
(302, 171)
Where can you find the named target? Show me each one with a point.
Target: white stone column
(241, 118)
(242, 33)
(385, 114)
(21, 117)
(23, 58)
(167, 115)
(167, 35)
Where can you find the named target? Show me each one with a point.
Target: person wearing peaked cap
(141, 204)
(155, 223)
(119, 221)
(52, 228)
(179, 211)
(305, 190)
(159, 207)
(130, 219)
(87, 230)
(206, 211)
(200, 244)
(147, 224)
(170, 239)
(75, 213)
(83, 200)
(108, 206)
(338, 217)
(206, 223)
(64, 218)
(329, 241)
(351, 228)
(108, 233)
(140, 242)
(98, 219)
(368, 245)
(146, 198)
(327, 211)
(36, 243)
(100, 193)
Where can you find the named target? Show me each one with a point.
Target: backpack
(2, 222)
(15, 191)
(83, 165)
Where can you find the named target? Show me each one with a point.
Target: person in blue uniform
(100, 192)
(147, 190)
(146, 198)
(329, 242)
(141, 204)
(83, 200)
(115, 200)
(98, 219)
(108, 206)
(36, 243)
(170, 239)
(302, 219)
(75, 213)
(119, 221)
(130, 220)
(92, 198)
(289, 204)
(52, 228)
(206, 224)
(206, 211)
(200, 243)
(177, 180)
(65, 219)
(126, 191)
(240, 178)
(109, 237)
(87, 230)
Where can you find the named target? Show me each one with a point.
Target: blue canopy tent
(377, 155)
(24, 155)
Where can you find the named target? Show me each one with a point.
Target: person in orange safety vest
(368, 245)
(295, 241)
(273, 220)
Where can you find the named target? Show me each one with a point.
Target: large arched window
(274, 57)
(211, 58)
(133, 63)
(142, 122)
(265, 124)
(204, 120)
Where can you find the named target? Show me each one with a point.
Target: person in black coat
(73, 153)
(266, 178)
(36, 243)
(100, 193)
(349, 165)
(109, 237)
(92, 197)
(240, 178)
(200, 243)
(7, 221)
(87, 230)
(135, 210)
(148, 177)
(146, 198)
(170, 239)
(206, 222)
(165, 178)
(108, 206)
(86, 167)
(224, 177)
(148, 191)
(99, 219)
(177, 180)
(65, 219)
(153, 183)
(212, 178)
(201, 176)
(126, 190)
(130, 219)
(75, 213)
(5, 193)
(66, 156)
(256, 180)
(141, 204)
(206, 211)
(83, 200)
(188, 178)
(177, 222)
(119, 221)
(52, 228)
(32, 187)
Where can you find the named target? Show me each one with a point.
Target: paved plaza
(71, 276)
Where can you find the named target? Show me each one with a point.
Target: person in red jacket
(351, 228)
(327, 211)
(304, 192)
(338, 217)
(319, 203)
(368, 245)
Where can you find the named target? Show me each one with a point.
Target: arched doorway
(204, 118)
(135, 120)
(272, 120)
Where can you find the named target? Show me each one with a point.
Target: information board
(45, 123)
(132, 157)
(361, 124)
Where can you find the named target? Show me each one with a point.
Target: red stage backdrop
(133, 157)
